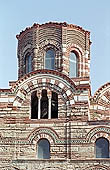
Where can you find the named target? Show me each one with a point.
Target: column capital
(38, 94)
(49, 94)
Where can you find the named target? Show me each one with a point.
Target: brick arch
(76, 48)
(101, 103)
(98, 132)
(97, 167)
(79, 53)
(56, 46)
(44, 79)
(27, 50)
(46, 43)
(102, 96)
(101, 91)
(43, 132)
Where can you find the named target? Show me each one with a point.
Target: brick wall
(82, 118)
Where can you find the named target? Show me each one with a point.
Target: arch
(80, 58)
(101, 91)
(50, 59)
(73, 65)
(102, 148)
(51, 43)
(43, 132)
(97, 167)
(40, 79)
(57, 53)
(97, 132)
(43, 149)
(101, 103)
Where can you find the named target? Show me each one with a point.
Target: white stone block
(52, 81)
(68, 92)
(64, 48)
(84, 82)
(16, 103)
(4, 100)
(34, 82)
(76, 98)
(105, 99)
(25, 86)
(86, 54)
(71, 101)
(43, 80)
(95, 107)
(10, 100)
(61, 85)
(82, 98)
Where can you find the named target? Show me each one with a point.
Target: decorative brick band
(98, 132)
(42, 132)
(52, 136)
(100, 92)
(59, 84)
(97, 167)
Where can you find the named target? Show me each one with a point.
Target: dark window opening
(102, 148)
(28, 63)
(54, 105)
(44, 105)
(43, 149)
(34, 105)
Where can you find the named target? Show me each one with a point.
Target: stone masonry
(82, 118)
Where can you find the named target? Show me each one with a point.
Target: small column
(49, 107)
(39, 104)
(49, 94)
(39, 107)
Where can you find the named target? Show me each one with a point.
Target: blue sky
(92, 15)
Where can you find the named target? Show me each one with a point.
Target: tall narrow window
(28, 63)
(73, 65)
(43, 149)
(44, 105)
(34, 105)
(50, 59)
(54, 105)
(102, 148)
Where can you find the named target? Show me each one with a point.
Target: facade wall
(82, 118)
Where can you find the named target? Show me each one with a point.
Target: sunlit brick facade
(47, 103)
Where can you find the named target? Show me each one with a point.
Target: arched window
(43, 149)
(73, 65)
(50, 59)
(28, 63)
(44, 105)
(54, 105)
(102, 148)
(34, 105)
